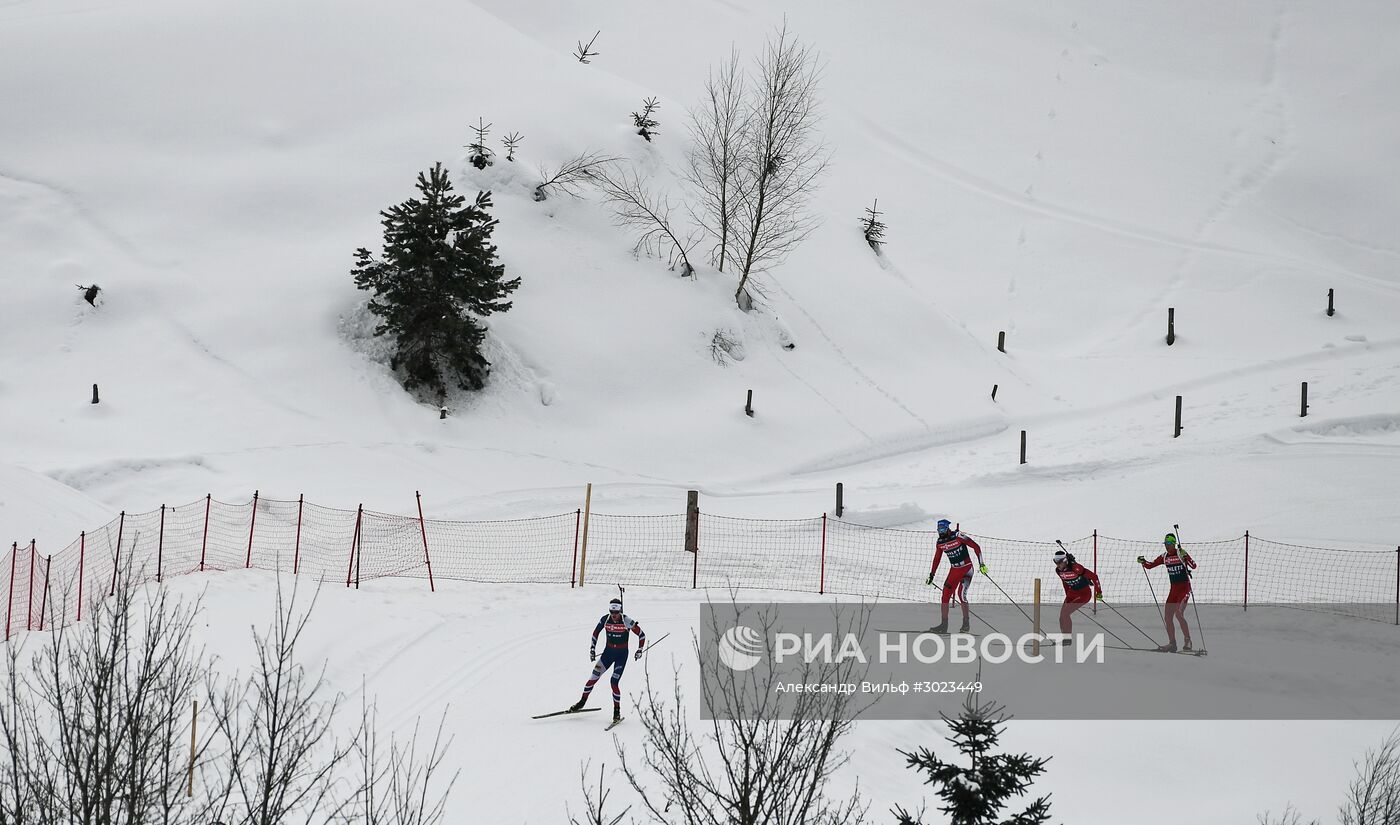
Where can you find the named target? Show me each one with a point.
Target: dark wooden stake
(1023, 446)
(1331, 310)
(692, 534)
(748, 405)
(692, 521)
(94, 394)
(1001, 341)
(840, 499)
(1171, 326)
(994, 392)
(1305, 400)
(1177, 432)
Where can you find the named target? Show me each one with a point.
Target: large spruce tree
(438, 274)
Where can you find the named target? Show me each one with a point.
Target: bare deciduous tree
(635, 206)
(281, 751)
(717, 130)
(754, 762)
(595, 803)
(1374, 795)
(94, 724)
(570, 176)
(1290, 816)
(95, 730)
(398, 787)
(783, 157)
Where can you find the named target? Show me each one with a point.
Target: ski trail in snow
(1268, 117)
(86, 215)
(959, 177)
(836, 350)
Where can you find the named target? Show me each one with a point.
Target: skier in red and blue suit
(617, 626)
(955, 545)
(1179, 566)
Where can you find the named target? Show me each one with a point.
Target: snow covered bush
(644, 121)
(437, 275)
(478, 154)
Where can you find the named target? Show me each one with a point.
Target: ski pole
(1008, 598)
(1192, 589)
(1130, 621)
(1105, 629)
(648, 648)
(1153, 591)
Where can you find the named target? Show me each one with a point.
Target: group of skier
(1081, 584)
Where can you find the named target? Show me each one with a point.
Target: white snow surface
(1064, 172)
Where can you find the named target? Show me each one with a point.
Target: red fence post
(44, 599)
(160, 544)
(204, 545)
(117, 561)
(424, 529)
(573, 566)
(253, 522)
(354, 545)
(821, 582)
(1246, 570)
(296, 551)
(10, 603)
(82, 557)
(1094, 606)
(29, 603)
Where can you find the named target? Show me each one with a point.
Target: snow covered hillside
(1063, 172)
(1059, 172)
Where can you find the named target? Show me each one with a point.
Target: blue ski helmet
(944, 525)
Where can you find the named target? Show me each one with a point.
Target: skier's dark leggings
(616, 658)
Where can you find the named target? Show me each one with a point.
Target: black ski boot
(1187, 646)
(966, 627)
(577, 706)
(1168, 648)
(941, 627)
(617, 713)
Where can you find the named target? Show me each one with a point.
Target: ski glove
(983, 569)
(1098, 596)
(593, 654)
(1141, 560)
(930, 579)
(637, 655)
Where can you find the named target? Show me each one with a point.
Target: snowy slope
(1064, 172)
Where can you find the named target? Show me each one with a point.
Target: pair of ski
(1154, 650)
(925, 630)
(614, 723)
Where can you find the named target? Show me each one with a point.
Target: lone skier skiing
(617, 627)
(1179, 566)
(1077, 580)
(955, 545)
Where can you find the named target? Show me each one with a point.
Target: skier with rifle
(617, 627)
(1077, 580)
(1179, 566)
(956, 546)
